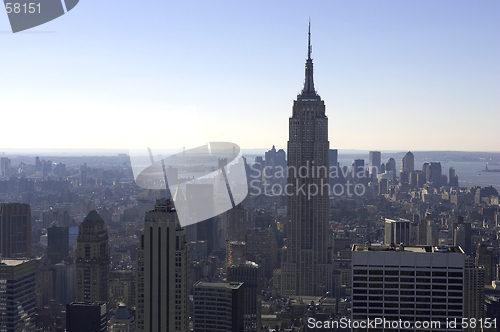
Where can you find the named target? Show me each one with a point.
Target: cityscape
(304, 235)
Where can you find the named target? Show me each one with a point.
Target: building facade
(218, 307)
(17, 295)
(162, 282)
(408, 283)
(15, 230)
(306, 262)
(92, 260)
(397, 231)
(86, 316)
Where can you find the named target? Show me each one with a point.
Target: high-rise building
(375, 159)
(218, 307)
(485, 257)
(391, 165)
(92, 260)
(86, 316)
(453, 180)
(15, 230)
(408, 284)
(57, 243)
(64, 281)
(473, 290)
(397, 231)
(306, 263)
(235, 223)
(251, 275)
(432, 171)
(17, 295)
(462, 237)
(408, 163)
(162, 282)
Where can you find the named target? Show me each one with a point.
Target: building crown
(308, 92)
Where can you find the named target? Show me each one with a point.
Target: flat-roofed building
(408, 283)
(218, 306)
(17, 295)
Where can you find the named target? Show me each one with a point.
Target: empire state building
(307, 258)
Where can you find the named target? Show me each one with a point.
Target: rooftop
(386, 247)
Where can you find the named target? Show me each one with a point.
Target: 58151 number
(17, 8)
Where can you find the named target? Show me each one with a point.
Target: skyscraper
(15, 230)
(17, 295)
(162, 284)
(252, 277)
(92, 260)
(218, 307)
(408, 163)
(409, 284)
(375, 159)
(397, 231)
(307, 266)
(57, 244)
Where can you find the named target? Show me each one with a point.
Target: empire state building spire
(308, 92)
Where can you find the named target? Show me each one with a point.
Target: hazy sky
(395, 75)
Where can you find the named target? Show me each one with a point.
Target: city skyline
(406, 76)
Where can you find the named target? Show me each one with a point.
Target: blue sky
(395, 75)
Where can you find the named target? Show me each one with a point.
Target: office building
(433, 172)
(234, 223)
(453, 178)
(397, 231)
(15, 230)
(485, 257)
(218, 306)
(86, 317)
(92, 260)
(252, 277)
(462, 237)
(391, 165)
(306, 258)
(473, 290)
(57, 243)
(408, 283)
(375, 159)
(408, 163)
(64, 281)
(17, 295)
(162, 277)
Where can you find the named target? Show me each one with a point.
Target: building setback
(307, 259)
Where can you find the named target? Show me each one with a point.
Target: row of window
(449, 274)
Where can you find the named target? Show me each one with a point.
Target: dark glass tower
(307, 266)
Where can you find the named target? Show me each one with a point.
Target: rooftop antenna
(309, 47)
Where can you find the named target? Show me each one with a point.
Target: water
(469, 173)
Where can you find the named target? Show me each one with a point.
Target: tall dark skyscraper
(15, 230)
(58, 243)
(375, 162)
(307, 266)
(162, 271)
